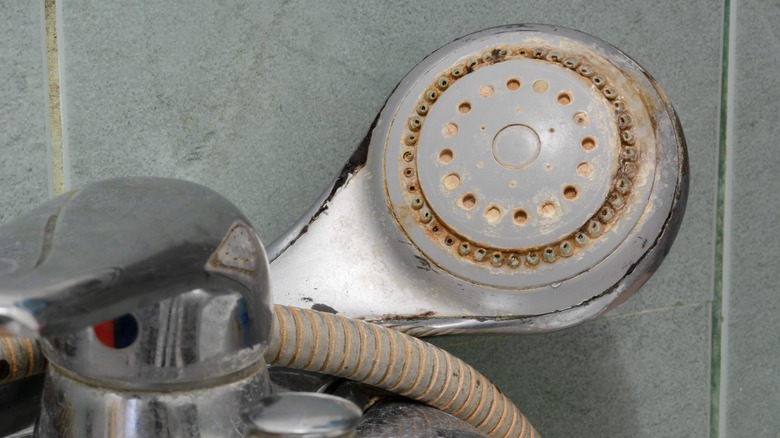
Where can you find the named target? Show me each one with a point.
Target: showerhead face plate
(537, 168)
(520, 165)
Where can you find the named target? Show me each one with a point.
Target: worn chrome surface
(152, 300)
(303, 414)
(74, 408)
(520, 179)
(293, 380)
(27, 432)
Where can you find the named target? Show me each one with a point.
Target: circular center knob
(516, 146)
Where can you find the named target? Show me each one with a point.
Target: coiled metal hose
(387, 359)
(19, 358)
(361, 351)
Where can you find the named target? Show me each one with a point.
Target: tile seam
(646, 311)
(57, 155)
(485, 338)
(721, 286)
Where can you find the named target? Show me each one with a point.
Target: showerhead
(520, 179)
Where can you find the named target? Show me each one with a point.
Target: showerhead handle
(520, 179)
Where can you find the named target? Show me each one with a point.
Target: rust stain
(324, 308)
(399, 317)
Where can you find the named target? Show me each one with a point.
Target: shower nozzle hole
(468, 201)
(541, 86)
(513, 84)
(584, 169)
(445, 156)
(588, 143)
(486, 91)
(464, 107)
(451, 181)
(449, 130)
(547, 209)
(493, 215)
(570, 192)
(520, 217)
(564, 98)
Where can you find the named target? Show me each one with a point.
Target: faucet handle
(156, 280)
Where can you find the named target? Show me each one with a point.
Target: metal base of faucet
(75, 408)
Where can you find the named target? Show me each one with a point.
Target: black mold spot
(424, 265)
(324, 308)
(5, 369)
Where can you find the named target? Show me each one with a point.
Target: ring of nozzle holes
(486, 256)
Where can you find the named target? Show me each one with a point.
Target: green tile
(752, 325)
(632, 375)
(24, 176)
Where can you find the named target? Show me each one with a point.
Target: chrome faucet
(151, 301)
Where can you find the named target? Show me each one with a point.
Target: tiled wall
(264, 101)
(24, 157)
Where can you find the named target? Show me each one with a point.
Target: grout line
(608, 316)
(57, 177)
(722, 277)
(474, 339)
(731, 145)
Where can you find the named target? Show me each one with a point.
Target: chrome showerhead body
(522, 178)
